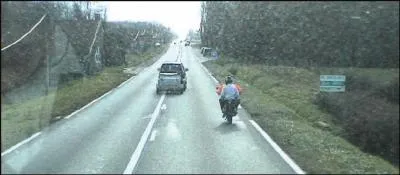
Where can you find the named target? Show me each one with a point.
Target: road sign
(332, 83)
(214, 54)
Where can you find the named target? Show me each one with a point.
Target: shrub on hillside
(370, 123)
(390, 91)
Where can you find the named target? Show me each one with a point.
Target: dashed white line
(20, 143)
(138, 151)
(164, 107)
(153, 135)
(275, 146)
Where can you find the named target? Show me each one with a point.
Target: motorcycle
(229, 111)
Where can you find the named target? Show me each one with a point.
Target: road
(127, 132)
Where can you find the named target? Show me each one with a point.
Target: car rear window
(170, 68)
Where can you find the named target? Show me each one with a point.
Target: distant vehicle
(187, 43)
(158, 44)
(172, 77)
(202, 50)
(206, 51)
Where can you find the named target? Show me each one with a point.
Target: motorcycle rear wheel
(229, 119)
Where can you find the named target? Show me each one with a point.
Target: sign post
(332, 83)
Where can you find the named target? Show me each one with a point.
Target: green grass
(280, 99)
(22, 120)
(19, 121)
(145, 58)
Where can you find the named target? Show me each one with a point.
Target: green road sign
(332, 83)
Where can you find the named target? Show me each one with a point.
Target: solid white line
(153, 135)
(67, 117)
(285, 157)
(20, 143)
(204, 68)
(136, 155)
(126, 81)
(72, 114)
(275, 146)
(208, 72)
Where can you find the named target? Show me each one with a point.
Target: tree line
(331, 34)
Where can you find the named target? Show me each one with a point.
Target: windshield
(130, 87)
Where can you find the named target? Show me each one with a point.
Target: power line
(26, 34)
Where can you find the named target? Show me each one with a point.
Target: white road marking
(204, 68)
(129, 79)
(20, 143)
(164, 107)
(285, 157)
(136, 155)
(72, 114)
(153, 135)
(276, 147)
(67, 117)
(147, 116)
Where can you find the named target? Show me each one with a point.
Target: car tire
(158, 92)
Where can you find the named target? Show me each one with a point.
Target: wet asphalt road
(188, 135)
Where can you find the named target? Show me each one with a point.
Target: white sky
(180, 16)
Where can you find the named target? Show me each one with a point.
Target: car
(202, 50)
(172, 77)
(187, 43)
(207, 51)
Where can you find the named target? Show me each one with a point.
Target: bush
(390, 91)
(354, 82)
(233, 70)
(370, 123)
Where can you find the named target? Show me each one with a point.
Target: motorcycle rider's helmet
(228, 80)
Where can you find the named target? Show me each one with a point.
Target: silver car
(172, 77)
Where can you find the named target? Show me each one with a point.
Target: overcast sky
(180, 16)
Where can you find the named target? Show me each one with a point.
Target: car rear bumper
(170, 87)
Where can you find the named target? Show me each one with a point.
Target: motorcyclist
(221, 86)
(229, 92)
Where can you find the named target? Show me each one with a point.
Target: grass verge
(280, 99)
(19, 121)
